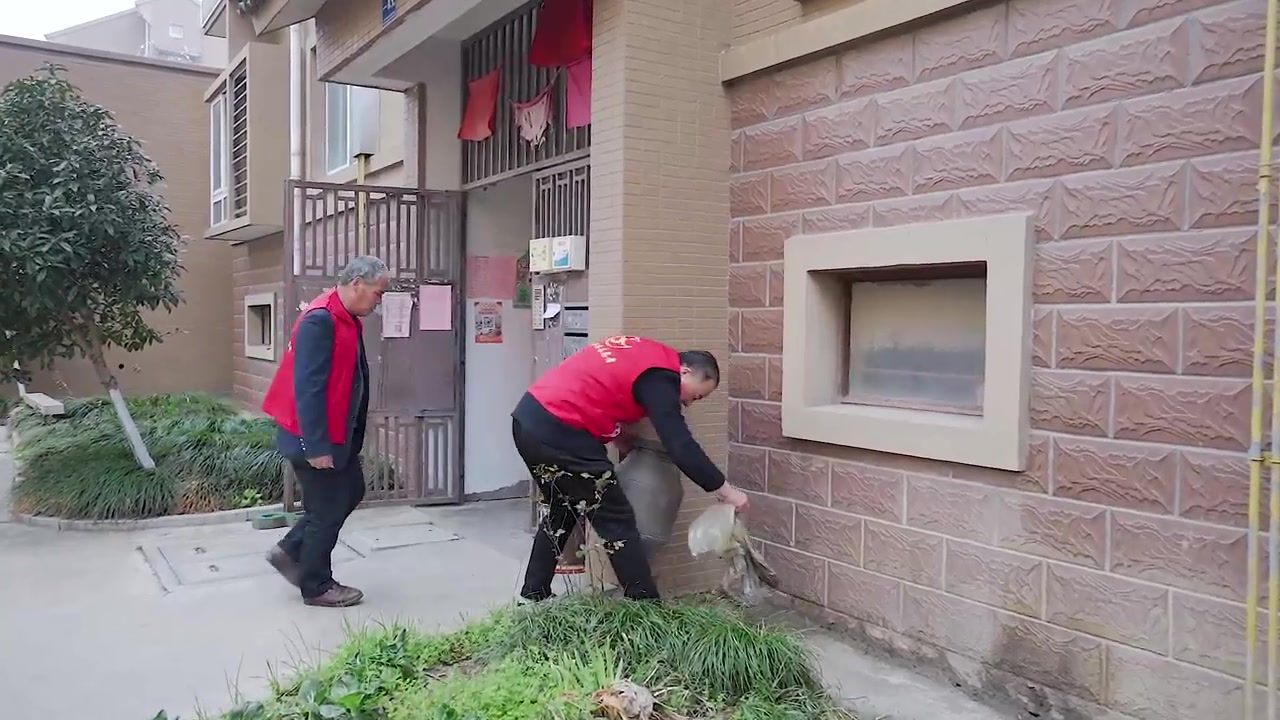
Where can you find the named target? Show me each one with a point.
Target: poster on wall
(523, 296)
(488, 322)
(491, 277)
(397, 311)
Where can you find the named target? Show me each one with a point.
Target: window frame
(219, 162)
(329, 113)
(816, 271)
(355, 122)
(254, 349)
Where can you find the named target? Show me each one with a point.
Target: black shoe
(284, 565)
(338, 596)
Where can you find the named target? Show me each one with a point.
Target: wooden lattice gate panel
(413, 445)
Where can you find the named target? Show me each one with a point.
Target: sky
(34, 19)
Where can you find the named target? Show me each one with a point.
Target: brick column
(660, 206)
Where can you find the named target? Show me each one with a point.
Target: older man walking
(319, 398)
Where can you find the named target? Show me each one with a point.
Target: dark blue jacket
(313, 357)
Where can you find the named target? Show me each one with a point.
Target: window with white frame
(218, 160)
(260, 326)
(351, 124)
(912, 340)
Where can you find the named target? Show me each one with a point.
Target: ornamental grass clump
(574, 658)
(209, 456)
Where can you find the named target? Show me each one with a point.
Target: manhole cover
(230, 567)
(373, 539)
(210, 561)
(215, 548)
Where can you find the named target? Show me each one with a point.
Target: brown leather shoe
(338, 596)
(284, 565)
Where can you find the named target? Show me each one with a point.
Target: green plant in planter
(699, 658)
(251, 497)
(209, 456)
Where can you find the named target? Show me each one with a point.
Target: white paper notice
(397, 309)
(553, 309)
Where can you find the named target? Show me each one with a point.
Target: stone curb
(222, 517)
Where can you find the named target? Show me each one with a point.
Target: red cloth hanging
(482, 107)
(563, 34)
(577, 94)
(533, 117)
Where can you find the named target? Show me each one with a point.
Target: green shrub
(705, 650)
(526, 685)
(700, 658)
(209, 456)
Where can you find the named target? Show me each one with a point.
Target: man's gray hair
(363, 267)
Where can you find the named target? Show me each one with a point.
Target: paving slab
(367, 541)
(86, 615)
(117, 626)
(878, 690)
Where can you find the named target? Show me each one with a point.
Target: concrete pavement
(88, 628)
(119, 625)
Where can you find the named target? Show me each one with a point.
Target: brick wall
(759, 17)
(129, 86)
(754, 17)
(345, 29)
(256, 269)
(660, 204)
(1114, 569)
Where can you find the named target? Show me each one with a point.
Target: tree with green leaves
(86, 244)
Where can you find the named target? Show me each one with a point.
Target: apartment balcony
(213, 17)
(249, 144)
(270, 16)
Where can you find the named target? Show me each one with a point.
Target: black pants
(575, 487)
(329, 496)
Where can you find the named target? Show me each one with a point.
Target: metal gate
(413, 450)
(562, 200)
(504, 46)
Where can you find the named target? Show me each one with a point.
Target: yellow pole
(362, 198)
(1256, 457)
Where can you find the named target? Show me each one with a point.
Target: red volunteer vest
(592, 389)
(280, 402)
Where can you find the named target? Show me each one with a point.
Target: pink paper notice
(435, 307)
(492, 277)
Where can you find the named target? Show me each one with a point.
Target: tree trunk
(94, 352)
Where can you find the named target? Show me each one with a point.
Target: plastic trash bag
(712, 531)
(652, 485)
(718, 531)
